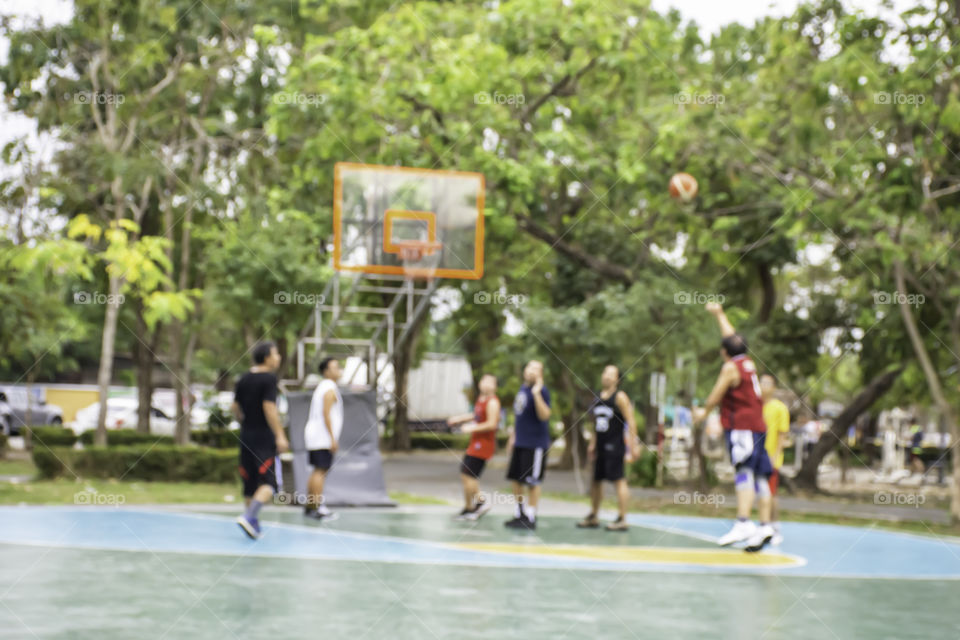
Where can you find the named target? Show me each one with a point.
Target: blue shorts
(746, 449)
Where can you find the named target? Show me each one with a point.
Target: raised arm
(543, 409)
(716, 309)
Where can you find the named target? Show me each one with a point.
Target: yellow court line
(649, 555)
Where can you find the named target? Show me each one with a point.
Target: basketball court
(413, 572)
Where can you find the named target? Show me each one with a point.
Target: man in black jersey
(261, 433)
(616, 434)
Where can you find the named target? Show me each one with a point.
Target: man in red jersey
(737, 393)
(483, 442)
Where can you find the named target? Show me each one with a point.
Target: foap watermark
(701, 99)
(93, 497)
(301, 99)
(498, 498)
(697, 297)
(499, 297)
(696, 498)
(95, 97)
(297, 499)
(297, 297)
(898, 298)
(508, 99)
(885, 97)
(899, 498)
(95, 297)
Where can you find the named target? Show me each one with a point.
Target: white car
(122, 414)
(199, 414)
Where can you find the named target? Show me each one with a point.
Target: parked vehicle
(122, 414)
(18, 403)
(6, 416)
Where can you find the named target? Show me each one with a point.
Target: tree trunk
(572, 424)
(769, 292)
(31, 378)
(181, 433)
(401, 368)
(145, 359)
(650, 414)
(105, 371)
(184, 395)
(696, 456)
(807, 477)
(404, 350)
(933, 382)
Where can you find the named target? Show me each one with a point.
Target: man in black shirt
(261, 433)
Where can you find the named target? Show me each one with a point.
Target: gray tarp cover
(356, 477)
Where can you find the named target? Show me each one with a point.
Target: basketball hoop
(415, 250)
(411, 254)
(403, 221)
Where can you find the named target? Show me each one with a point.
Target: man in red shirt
(482, 427)
(737, 393)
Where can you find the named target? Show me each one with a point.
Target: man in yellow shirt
(777, 417)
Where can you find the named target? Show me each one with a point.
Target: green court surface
(415, 573)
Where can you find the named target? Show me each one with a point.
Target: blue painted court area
(409, 572)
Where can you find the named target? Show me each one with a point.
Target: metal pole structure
(317, 329)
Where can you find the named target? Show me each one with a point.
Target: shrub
(219, 419)
(454, 441)
(217, 438)
(643, 471)
(125, 437)
(144, 462)
(51, 436)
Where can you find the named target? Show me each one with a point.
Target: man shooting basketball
(529, 440)
(737, 393)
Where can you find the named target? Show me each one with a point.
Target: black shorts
(608, 465)
(257, 468)
(321, 459)
(472, 466)
(527, 465)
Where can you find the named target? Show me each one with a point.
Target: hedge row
(144, 462)
(52, 436)
(125, 437)
(217, 438)
(455, 441)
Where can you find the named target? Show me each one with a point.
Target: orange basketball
(683, 186)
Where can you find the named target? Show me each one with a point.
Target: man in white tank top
(322, 435)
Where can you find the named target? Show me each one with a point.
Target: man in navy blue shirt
(529, 440)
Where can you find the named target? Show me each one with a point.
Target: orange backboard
(420, 223)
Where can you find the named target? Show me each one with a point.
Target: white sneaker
(478, 511)
(741, 531)
(760, 538)
(776, 540)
